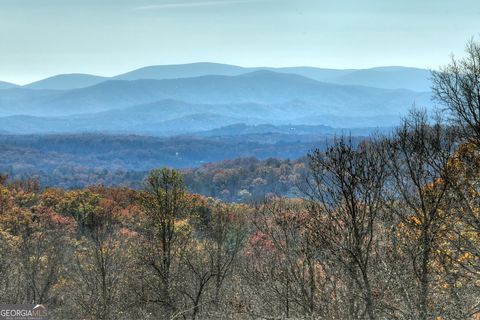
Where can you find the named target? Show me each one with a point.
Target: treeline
(388, 229)
(238, 180)
(80, 160)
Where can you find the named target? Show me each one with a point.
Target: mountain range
(186, 99)
(381, 77)
(66, 82)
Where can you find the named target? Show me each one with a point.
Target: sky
(40, 38)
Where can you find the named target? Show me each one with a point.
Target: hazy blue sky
(39, 38)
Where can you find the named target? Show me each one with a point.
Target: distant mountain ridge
(381, 77)
(191, 70)
(388, 77)
(260, 87)
(7, 85)
(207, 102)
(242, 129)
(172, 117)
(66, 82)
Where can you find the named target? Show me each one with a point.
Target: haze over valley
(188, 115)
(185, 99)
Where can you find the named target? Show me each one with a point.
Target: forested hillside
(81, 160)
(248, 179)
(383, 228)
(371, 226)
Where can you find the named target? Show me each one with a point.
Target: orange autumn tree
(418, 158)
(458, 252)
(34, 238)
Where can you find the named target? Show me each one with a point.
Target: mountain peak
(189, 70)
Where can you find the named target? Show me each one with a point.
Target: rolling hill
(66, 82)
(387, 77)
(189, 70)
(383, 77)
(171, 117)
(260, 87)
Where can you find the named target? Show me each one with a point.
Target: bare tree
(457, 87)
(164, 201)
(100, 266)
(282, 265)
(346, 196)
(224, 235)
(418, 157)
(42, 254)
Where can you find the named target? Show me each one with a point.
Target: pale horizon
(42, 38)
